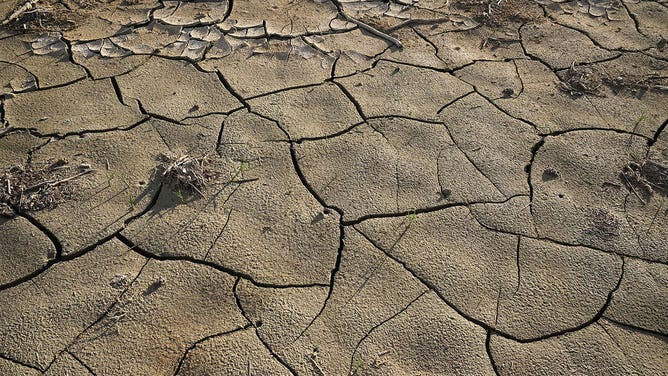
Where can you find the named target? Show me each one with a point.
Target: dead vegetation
(37, 188)
(585, 80)
(646, 178)
(578, 81)
(46, 15)
(500, 12)
(186, 174)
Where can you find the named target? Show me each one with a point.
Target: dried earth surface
(333, 187)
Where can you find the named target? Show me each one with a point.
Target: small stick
(316, 367)
(52, 183)
(26, 7)
(71, 177)
(372, 30)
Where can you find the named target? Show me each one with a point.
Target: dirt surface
(333, 187)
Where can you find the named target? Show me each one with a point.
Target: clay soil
(328, 187)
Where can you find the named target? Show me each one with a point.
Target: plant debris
(579, 81)
(645, 179)
(500, 12)
(32, 189)
(186, 172)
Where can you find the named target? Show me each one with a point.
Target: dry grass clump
(41, 15)
(185, 172)
(646, 178)
(585, 79)
(578, 81)
(38, 188)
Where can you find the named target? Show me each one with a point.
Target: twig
(633, 190)
(26, 7)
(52, 183)
(367, 27)
(316, 367)
(71, 177)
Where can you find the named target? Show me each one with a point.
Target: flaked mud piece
(37, 188)
(97, 19)
(191, 303)
(428, 335)
(642, 297)
(43, 55)
(52, 309)
(256, 69)
(25, 249)
(354, 50)
(15, 79)
(603, 348)
(240, 350)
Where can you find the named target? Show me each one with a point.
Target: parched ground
(334, 187)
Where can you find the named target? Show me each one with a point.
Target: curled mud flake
(83, 50)
(48, 45)
(194, 49)
(21, 84)
(110, 49)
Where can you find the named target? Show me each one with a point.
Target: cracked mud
(392, 187)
